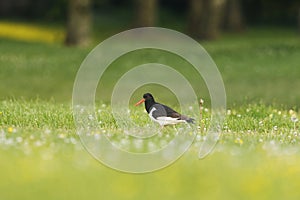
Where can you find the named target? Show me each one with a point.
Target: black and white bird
(162, 114)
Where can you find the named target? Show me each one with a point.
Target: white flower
(38, 143)
(19, 139)
(138, 143)
(294, 118)
(73, 140)
(91, 117)
(97, 136)
(47, 131)
(291, 112)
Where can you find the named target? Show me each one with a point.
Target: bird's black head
(148, 97)
(149, 101)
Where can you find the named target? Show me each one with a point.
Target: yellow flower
(238, 141)
(0, 113)
(10, 129)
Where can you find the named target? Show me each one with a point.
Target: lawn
(257, 156)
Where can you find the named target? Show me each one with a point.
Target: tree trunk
(213, 19)
(79, 23)
(146, 12)
(205, 19)
(195, 17)
(233, 16)
(298, 19)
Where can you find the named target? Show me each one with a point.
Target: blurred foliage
(255, 11)
(34, 9)
(271, 11)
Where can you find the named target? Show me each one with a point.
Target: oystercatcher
(162, 114)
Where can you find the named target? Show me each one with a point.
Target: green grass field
(257, 157)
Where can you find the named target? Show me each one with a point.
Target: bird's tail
(190, 120)
(187, 119)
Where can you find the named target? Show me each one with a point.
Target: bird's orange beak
(141, 101)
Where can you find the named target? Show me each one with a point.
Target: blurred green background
(255, 44)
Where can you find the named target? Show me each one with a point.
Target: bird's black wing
(159, 111)
(165, 111)
(171, 113)
(174, 114)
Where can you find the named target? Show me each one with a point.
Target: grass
(257, 156)
(258, 151)
(48, 71)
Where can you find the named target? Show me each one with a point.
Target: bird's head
(146, 97)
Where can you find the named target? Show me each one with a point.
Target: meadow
(257, 156)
